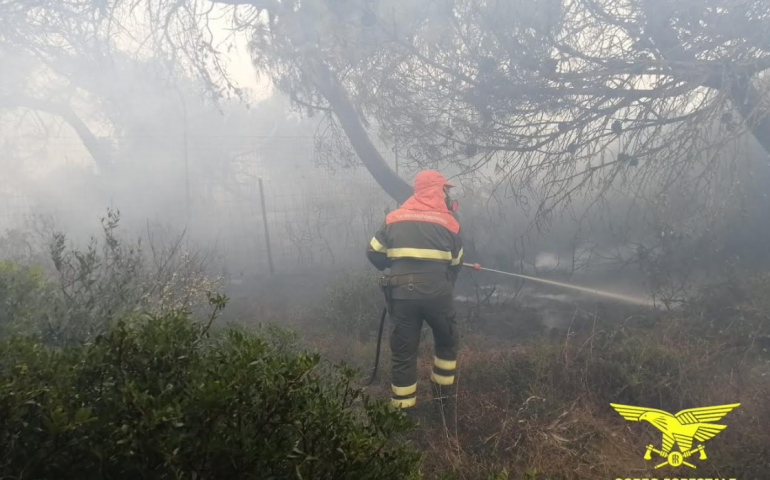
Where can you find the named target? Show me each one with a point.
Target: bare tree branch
(98, 150)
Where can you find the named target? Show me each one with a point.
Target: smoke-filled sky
(163, 151)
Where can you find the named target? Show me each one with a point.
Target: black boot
(418, 413)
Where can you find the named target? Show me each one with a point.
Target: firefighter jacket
(421, 239)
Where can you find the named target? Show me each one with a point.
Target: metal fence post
(267, 230)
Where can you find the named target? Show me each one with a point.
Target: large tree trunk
(343, 108)
(329, 86)
(746, 99)
(99, 153)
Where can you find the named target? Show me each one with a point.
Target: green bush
(22, 289)
(154, 397)
(354, 303)
(84, 289)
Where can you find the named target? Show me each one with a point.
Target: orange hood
(428, 192)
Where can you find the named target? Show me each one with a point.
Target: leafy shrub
(737, 312)
(154, 398)
(85, 289)
(21, 291)
(354, 303)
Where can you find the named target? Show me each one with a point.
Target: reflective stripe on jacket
(420, 237)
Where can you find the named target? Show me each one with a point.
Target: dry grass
(513, 413)
(537, 405)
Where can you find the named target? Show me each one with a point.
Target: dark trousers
(408, 316)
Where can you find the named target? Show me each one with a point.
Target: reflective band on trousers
(442, 379)
(445, 364)
(405, 403)
(403, 391)
(456, 261)
(425, 253)
(377, 246)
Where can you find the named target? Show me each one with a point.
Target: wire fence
(313, 216)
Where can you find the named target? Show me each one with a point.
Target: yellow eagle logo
(681, 429)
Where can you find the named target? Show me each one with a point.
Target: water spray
(592, 291)
(475, 266)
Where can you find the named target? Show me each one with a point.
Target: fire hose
(478, 267)
(379, 343)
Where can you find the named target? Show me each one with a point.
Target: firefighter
(420, 243)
